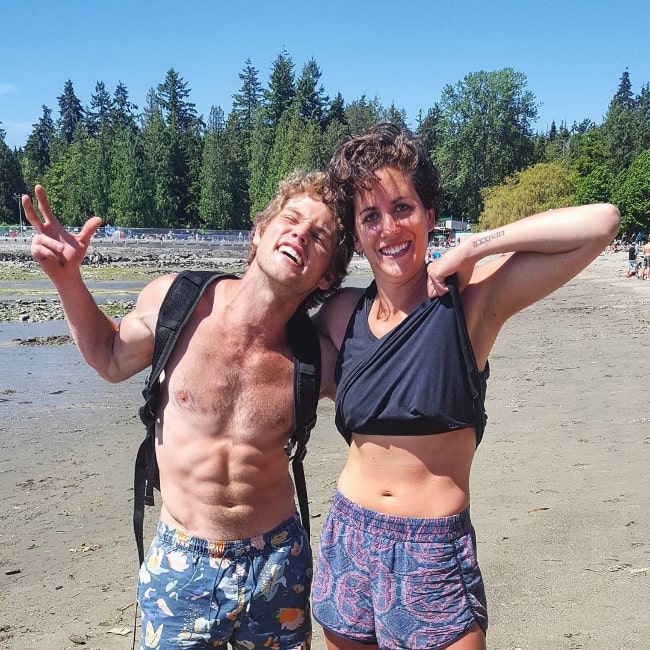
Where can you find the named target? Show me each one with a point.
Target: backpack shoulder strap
(182, 298)
(305, 346)
(476, 386)
(180, 302)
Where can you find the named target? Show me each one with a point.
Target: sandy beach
(560, 482)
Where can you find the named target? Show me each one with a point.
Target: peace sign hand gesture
(59, 252)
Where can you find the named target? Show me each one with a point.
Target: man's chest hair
(231, 383)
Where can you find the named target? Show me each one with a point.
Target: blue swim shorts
(397, 582)
(252, 593)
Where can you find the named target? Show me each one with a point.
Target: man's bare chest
(215, 374)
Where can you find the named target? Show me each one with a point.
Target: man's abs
(224, 494)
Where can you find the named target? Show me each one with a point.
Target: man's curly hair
(312, 184)
(352, 168)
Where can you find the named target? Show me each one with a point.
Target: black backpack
(180, 301)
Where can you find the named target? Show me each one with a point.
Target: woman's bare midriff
(410, 476)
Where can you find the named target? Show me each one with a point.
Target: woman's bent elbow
(611, 218)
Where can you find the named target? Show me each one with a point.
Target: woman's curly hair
(352, 167)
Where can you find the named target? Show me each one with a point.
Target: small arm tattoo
(487, 238)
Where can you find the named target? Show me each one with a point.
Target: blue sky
(572, 53)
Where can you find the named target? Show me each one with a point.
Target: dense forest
(165, 166)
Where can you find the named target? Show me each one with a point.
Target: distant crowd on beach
(637, 247)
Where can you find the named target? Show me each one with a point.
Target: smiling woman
(411, 379)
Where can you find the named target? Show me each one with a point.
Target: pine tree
(11, 183)
(362, 115)
(336, 110)
(623, 96)
(247, 101)
(215, 204)
(122, 112)
(261, 143)
(238, 170)
(619, 127)
(429, 130)
(172, 97)
(37, 154)
(70, 111)
(394, 115)
(247, 106)
(183, 133)
(131, 199)
(281, 91)
(157, 149)
(98, 111)
(310, 97)
(67, 180)
(642, 128)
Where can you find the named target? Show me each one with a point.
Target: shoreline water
(559, 486)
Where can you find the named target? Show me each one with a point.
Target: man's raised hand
(58, 251)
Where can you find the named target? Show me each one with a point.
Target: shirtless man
(645, 249)
(230, 562)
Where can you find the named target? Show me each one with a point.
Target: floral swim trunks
(251, 593)
(397, 582)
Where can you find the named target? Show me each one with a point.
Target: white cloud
(5, 89)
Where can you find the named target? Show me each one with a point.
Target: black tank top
(419, 379)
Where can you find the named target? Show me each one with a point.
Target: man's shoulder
(342, 303)
(333, 316)
(152, 295)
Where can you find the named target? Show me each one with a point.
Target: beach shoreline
(559, 486)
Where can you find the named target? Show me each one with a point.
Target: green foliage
(288, 151)
(71, 112)
(11, 183)
(247, 101)
(310, 97)
(360, 114)
(632, 194)
(336, 111)
(541, 187)
(626, 128)
(121, 113)
(595, 187)
(163, 167)
(98, 113)
(282, 88)
(172, 95)
(37, 150)
(394, 115)
(588, 151)
(486, 135)
(131, 202)
(261, 144)
(67, 182)
(215, 204)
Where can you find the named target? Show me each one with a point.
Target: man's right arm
(115, 350)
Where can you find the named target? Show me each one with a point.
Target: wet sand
(560, 482)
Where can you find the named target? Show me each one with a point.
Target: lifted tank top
(419, 379)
